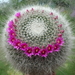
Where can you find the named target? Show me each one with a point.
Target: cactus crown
(36, 32)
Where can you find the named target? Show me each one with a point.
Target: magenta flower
(43, 53)
(11, 23)
(9, 29)
(11, 40)
(29, 51)
(11, 26)
(18, 15)
(12, 34)
(17, 44)
(36, 50)
(49, 48)
(60, 41)
(23, 46)
(56, 47)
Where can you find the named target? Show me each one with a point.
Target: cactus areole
(37, 36)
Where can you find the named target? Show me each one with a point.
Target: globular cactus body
(37, 40)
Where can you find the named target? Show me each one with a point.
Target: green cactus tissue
(37, 40)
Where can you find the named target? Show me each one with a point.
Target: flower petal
(29, 51)
(11, 23)
(56, 47)
(43, 53)
(17, 44)
(60, 41)
(49, 48)
(36, 50)
(18, 15)
(23, 46)
(11, 40)
(12, 33)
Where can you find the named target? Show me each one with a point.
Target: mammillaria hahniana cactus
(37, 40)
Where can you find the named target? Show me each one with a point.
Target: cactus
(37, 40)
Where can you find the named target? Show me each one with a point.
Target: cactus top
(36, 32)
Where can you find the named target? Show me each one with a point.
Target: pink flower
(60, 25)
(11, 23)
(18, 15)
(56, 17)
(60, 35)
(16, 20)
(23, 46)
(51, 13)
(60, 41)
(32, 9)
(43, 53)
(36, 50)
(9, 29)
(12, 33)
(49, 48)
(11, 40)
(27, 10)
(62, 31)
(11, 26)
(29, 51)
(17, 44)
(56, 47)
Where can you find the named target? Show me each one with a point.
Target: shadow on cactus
(37, 40)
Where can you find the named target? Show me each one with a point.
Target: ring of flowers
(29, 51)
